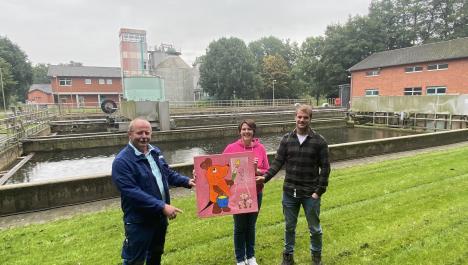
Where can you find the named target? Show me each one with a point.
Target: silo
(176, 73)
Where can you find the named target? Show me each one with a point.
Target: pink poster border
(225, 184)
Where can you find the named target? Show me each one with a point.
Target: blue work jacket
(140, 196)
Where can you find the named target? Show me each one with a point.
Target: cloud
(53, 31)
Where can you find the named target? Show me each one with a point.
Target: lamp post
(3, 92)
(274, 81)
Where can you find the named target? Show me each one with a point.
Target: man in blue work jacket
(143, 177)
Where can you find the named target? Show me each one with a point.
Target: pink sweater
(259, 151)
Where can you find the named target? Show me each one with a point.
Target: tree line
(232, 69)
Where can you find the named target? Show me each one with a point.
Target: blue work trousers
(144, 242)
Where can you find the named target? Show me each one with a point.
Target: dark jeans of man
(144, 242)
(244, 233)
(291, 206)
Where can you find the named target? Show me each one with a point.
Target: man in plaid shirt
(305, 153)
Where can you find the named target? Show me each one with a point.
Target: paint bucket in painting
(222, 201)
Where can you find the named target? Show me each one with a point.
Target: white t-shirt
(301, 138)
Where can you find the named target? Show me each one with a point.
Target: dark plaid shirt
(307, 165)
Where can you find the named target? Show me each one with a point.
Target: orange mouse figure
(218, 186)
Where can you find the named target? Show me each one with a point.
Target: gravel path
(70, 211)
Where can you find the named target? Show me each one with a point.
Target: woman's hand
(255, 162)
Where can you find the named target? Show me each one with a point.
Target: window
(133, 37)
(374, 72)
(411, 69)
(372, 92)
(109, 81)
(436, 90)
(87, 81)
(102, 81)
(65, 81)
(440, 66)
(412, 91)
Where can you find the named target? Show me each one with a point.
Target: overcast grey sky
(55, 31)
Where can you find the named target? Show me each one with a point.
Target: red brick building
(40, 94)
(85, 85)
(432, 69)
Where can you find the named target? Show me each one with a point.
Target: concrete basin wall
(12, 152)
(236, 118)
(367, 148)
(9, 155)
(120, 139)
(34, 196)
(78, 127)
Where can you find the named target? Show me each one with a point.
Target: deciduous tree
(40, 74)
(21, 70)
(276, 72)
(310, 71)
(7, 81)
(228, 71)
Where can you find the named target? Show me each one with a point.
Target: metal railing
(62, 109)
(23, 122)
(72, 108)
(209, 104)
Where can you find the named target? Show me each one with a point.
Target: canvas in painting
(225, 184)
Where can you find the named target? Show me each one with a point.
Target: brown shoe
(288, 259)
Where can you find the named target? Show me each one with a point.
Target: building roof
(83, 71)
(438, 51)
(46, 88)
(173, 62)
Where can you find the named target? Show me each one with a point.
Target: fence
(22, 122)
(61, 109)
(72, 108)
(95, 107)
(224, 104)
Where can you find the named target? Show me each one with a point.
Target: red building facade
(85, 85)
(40, 94)
(432, 69)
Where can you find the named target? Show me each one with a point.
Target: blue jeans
(144, 242)
(291, 206)
(244, 233)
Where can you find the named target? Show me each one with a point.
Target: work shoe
(316, 258)
(288, 259)
(252, 261)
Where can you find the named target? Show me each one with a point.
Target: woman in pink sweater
(244, 224)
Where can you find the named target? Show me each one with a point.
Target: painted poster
(225, 184)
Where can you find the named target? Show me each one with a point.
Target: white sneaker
(241, 263)
(252, 261)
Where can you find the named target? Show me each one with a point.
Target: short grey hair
(132, 123)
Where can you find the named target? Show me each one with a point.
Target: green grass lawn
(406, 211)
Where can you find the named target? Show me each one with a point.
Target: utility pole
(274, 81)
(3, 91)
